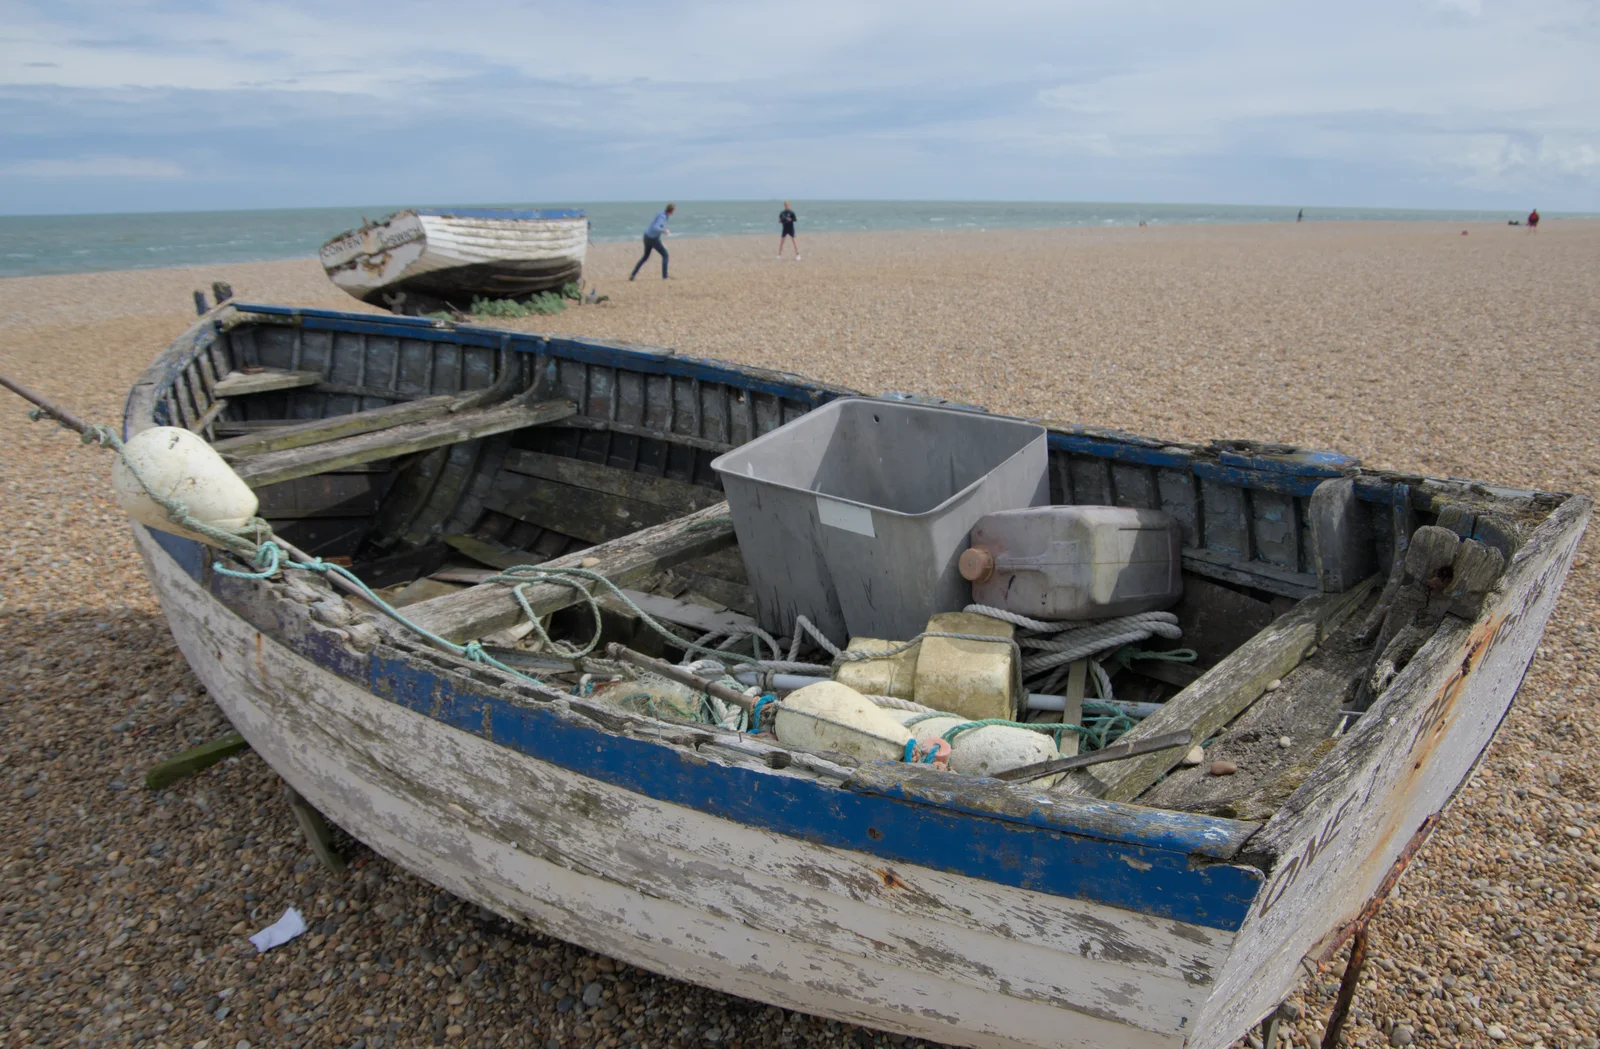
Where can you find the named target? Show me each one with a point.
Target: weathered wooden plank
(594, 517)
(1072, 709)
(1221, 693)
(495, 555)
(272, 467)
(488, 607)
(1342, 546)
(240, 384)
(583, 422)
(315, 830)
(670, 610)
(298, 435)
(194, 760)
(680, 497)
(1258, 574)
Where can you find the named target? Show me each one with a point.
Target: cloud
(94, 167)
(1447, 103)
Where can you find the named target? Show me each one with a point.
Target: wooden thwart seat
(239, 384)
(282, 435)
(271, 467)
(487, 607)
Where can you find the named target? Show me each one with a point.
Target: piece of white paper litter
(279, 932)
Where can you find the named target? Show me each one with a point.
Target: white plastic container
(1076, 562)
(180, 465)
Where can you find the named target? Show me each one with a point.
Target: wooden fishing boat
(420, 259)
(1137, 904)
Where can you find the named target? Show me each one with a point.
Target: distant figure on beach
(652, 240)
(786, 219)
(1302, 216)
(1533, 219)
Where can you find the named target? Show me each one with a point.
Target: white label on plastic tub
(848, 516)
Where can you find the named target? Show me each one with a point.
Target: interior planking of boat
(1139, 903)
(422, 259)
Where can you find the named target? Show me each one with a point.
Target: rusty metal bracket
(1357, 929)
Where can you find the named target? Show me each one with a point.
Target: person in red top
(1533, 219)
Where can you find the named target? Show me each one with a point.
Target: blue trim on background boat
(502, 213)
(1111, 448)
(1148, 878)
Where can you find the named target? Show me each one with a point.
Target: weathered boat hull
(896, 897)
(433, 255)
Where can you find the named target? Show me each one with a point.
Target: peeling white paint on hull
(690, 895)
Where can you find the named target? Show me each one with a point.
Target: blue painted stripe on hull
(1144, 879)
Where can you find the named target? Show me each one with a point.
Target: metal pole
(680, 675)
(61, 415)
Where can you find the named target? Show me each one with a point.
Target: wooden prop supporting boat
(421, 259)
(1120, 909)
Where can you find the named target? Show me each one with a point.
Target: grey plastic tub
(855, 514)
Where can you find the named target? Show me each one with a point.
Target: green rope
(1053, 729)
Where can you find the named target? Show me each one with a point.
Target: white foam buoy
(831, 716)
(180, 465)
(988, 750)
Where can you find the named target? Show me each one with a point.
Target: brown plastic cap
(976, 564)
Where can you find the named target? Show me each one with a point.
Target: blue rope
(911, 747)
(755, 712)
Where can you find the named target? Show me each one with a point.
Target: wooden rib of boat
(959, 909)
(421, 258)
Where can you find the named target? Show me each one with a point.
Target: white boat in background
(422, 258)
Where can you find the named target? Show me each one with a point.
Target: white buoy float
(987, 750)
(831, 716)
(181, 466)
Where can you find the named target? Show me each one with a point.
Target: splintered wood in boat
(1221, 693)
(274, 467)
(488, 607)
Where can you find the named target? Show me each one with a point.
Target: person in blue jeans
(652, 241)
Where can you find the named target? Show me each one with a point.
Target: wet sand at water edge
(123, 913)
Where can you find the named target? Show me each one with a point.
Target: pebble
(1402, 1035)
(1238, 331)
(591, 994)
(1223, 768)
(1284, 742)
(1275, 684)
(1195, 756)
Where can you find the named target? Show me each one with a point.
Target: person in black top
(786, 218)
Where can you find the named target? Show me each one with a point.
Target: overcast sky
(1399, 103)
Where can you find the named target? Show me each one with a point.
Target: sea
(41, 244)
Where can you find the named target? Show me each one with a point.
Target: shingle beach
(124, 912)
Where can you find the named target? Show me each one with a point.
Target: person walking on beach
(786, 220)
(1302, 216)
(652, 240)
(1533, 219)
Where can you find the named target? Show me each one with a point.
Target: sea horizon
(37, 245)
